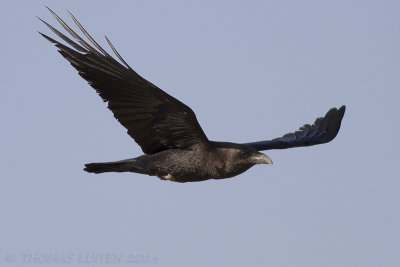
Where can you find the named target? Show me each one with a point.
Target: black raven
(167, 130)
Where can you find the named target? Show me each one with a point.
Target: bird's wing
(322, 131)
(156, 120)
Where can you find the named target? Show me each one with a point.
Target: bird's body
(175, 146)
(189, 165)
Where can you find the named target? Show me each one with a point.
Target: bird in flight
(174, 145)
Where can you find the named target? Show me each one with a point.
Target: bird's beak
(260, 158)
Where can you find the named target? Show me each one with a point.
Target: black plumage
(167, 130)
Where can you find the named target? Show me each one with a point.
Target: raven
(174, 145)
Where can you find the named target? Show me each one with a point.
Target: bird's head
(236, 159)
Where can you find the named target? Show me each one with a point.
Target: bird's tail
(129, 165)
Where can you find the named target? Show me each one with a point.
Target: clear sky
(251, 70)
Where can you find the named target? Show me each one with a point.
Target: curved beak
(260, 158)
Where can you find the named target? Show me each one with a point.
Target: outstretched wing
(156, 120)
(322, 131)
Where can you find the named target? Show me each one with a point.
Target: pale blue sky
(251, 70)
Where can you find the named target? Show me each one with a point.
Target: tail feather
(117, 166)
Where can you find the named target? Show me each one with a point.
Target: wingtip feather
(342, 109)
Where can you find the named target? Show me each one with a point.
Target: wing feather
(322, 131)
(153, 118)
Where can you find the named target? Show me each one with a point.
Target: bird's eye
(243, 154)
